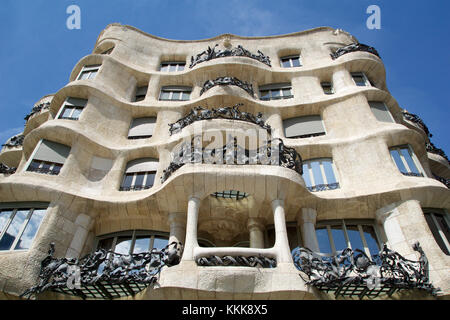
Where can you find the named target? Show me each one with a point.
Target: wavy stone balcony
(11, 152)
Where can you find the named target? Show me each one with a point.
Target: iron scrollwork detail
(352, 48)
(222, 81)
(251, 261)
(442, 180)
(239, 51)
(273, 152)
(6, 170)
(36, 109)
(350, 269)
(416, 119)
(430, 147)
(231, 113)
(103, 268)
(15, 141)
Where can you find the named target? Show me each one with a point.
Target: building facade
(242, 163)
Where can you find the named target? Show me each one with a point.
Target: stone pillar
(281, 238)
(341, 79)
(82, 224)
(306, 219)
(191, 228)
(177, 223)
(256, 230)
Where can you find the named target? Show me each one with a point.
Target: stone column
(341, 79)
(256, 230)
(82, 224)
(306, 219)
(177, 223)
(191, 228)
(281, 238)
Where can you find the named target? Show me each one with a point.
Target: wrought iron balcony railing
(7, 170)
(103, 274)
(273, 152)
(352, 48)
(239, 51)
(36, 109)
(417, 120)
(231, 113)
(430, 147)
(442, 180)
(15, 141)
(241, 261)
(351, 273)
(230, 81)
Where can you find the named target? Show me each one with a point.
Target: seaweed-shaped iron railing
(352, 48)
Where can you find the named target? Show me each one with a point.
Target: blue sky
(38, 52)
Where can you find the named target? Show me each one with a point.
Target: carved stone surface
(273, 152)
(352, 273)
(15, 141)
(239, 51)
(232, 113)
(352, 48)
(231, 81)
(37, 109)
(7, 170)
(252, 261)
(101, 268)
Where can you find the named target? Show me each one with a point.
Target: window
(142, 128)
(49, 157)
(293, 234)
(172, 66)
(141, 92)
(438, 222)
(327, 87)
(174, 93)
(319, 175)
(19, 226)
(108, 51)
(406, 161)
(337, 235)
(139, 175)
(276, 91)
(230, 194)
(380, 111)
(88, 72)
(303, 127)
(72, 109)
(291, 61)
(133, 241)
(360, 79)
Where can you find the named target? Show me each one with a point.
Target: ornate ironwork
(417, 120)
(232, 113)
(232, 153)
(6, 170)
(239, 51)
(15, 141)
(442, 180)
(252, 261)
(430, 147)
(352, 48)
(353, 273)
(323, 187)
(103, 274)
(230, 81)
(36, 109)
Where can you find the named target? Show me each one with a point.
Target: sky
(38, 51)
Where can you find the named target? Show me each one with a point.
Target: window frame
(170, 64)
(343, 223)
(67, 105)
(330, 84)
(290, 59)
(328, 186)
(31, 207)
(386, 109)
(309, 135)
(90, 69)
(136, 95)
(133, 233)
(133, 186)
(276, 87)
(432, 212)
(172, 89)
(405, 163)
(367, 82)
(31, 159)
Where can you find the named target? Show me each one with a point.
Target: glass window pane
(275, 93)
(435, 232)
(407, 156)
(329, 173)
(443, 224)
(13, 229)
(92, 74)
(296, 62)
(292, 237)
(323, 240)
(180, 67)
(165, 95)
(338, 238)
(84, 75)
(160, 243)
(355, 237)
(56, 168)
(176, 95)
(66, 112)
(265, 95)
(139, 182)
(142, 244)
(286, 63)
(31, 229)
(150, 179)
(396, 156)
(127, 180)
(76, 113)
(371, 239)
(123, 245)
(164, 68)
(318, 179)
(4, 216)
(46, 166)
(34, 165)
(359, 80)
(306, 175)
(173, 67)
(287, 92)
(185, 96)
